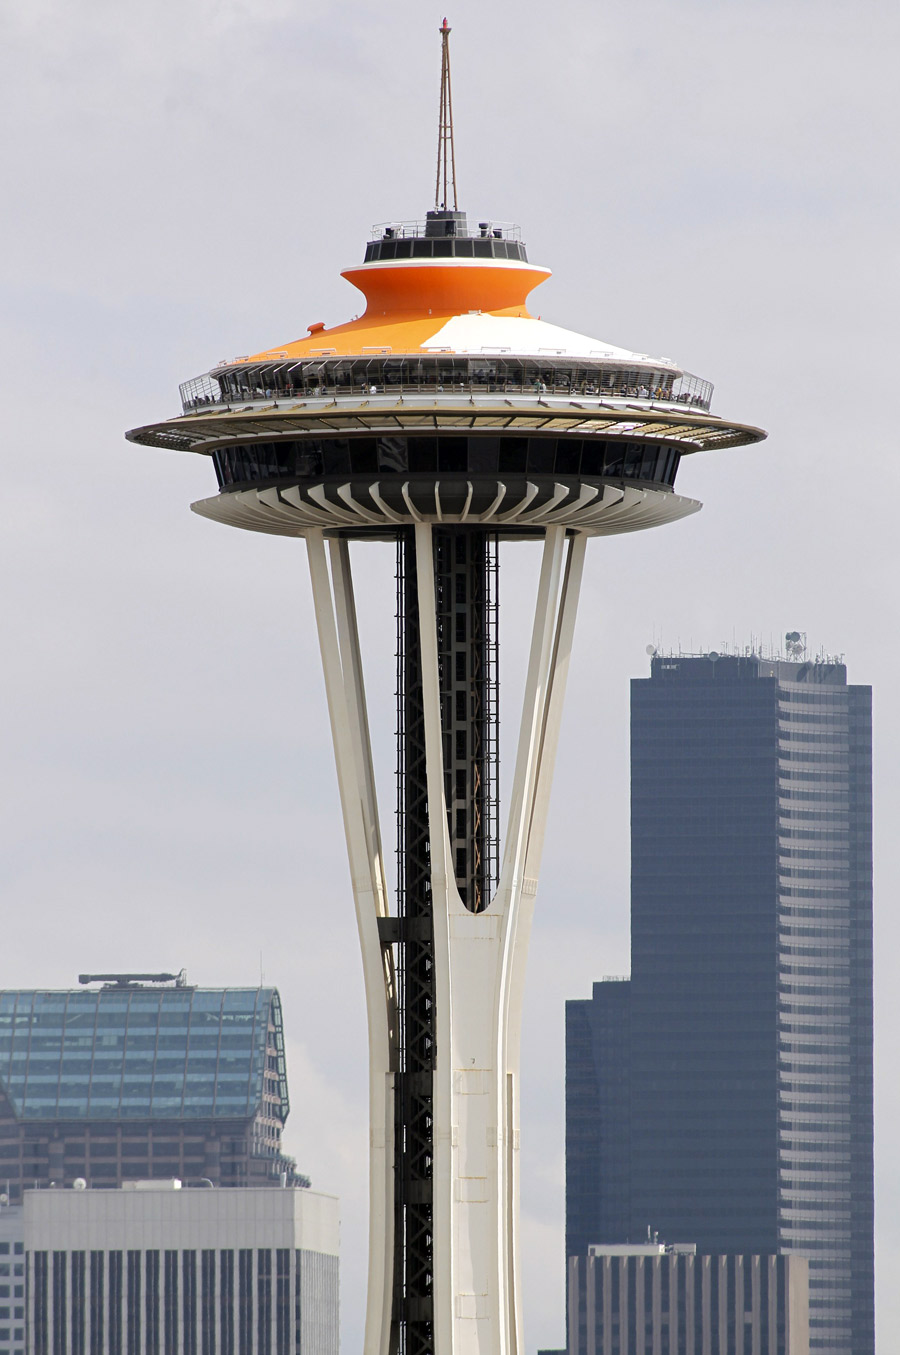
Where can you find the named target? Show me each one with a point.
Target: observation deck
(445, 401)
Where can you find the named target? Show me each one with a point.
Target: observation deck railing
(207, 393)
(410, 230)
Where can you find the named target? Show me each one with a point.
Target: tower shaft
(465, 585)
(444, 982)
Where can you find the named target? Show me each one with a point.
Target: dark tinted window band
(455, 248)
(380, 372)
(312, 459)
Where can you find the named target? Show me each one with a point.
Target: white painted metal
(600, 512)
(339, 645)
(491, 334)
(479, 958)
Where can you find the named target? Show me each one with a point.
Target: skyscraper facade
(142, 1080)
(739, 1056)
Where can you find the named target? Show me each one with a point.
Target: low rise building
(649, 1298)
(153, 1269)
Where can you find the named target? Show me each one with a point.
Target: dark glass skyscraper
(724, 1094)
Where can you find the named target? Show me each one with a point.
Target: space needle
(445, 419)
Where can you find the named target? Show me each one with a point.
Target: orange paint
(408, 302)
(448, 289)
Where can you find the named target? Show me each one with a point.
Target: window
(245, 1306)
(189, 1301)
(208, 1303)
(226, 1303)
(151, 1302)
(170, 1300)
(133, 1308)
(282, 1302)
(97, 1305)
(114, 1302)
(79, 1314)
(40, 1304)
(264, 1302)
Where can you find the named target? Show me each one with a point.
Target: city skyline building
(724, 1092)
(154, 1269)
(655, 1297)
(445, 421)
(142, 1079)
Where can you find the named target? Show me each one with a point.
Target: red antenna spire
(445, 180)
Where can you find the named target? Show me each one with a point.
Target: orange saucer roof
(408, 302)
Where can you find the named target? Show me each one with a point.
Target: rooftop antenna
(446, 160)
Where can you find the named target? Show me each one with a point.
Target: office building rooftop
(140, 1052)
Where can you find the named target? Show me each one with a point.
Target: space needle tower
(445, 420)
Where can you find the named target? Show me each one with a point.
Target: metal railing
(409, 230)
(206, 393)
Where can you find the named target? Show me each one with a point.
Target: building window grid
(100, 1040)
(110, 1303)
(823, 824)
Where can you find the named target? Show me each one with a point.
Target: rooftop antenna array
(795, 644)
(445, 179)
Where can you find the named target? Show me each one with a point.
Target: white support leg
(516, 890)
(342, 667)
(559, 674)
(479, 957)
(351, 664)
(549, 742)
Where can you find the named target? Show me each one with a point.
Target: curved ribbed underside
(510, 507)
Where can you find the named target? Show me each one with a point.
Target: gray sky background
(183, 181)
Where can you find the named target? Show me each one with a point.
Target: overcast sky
(183, 181)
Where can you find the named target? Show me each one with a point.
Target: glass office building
(141, 1081)
(725, 1092)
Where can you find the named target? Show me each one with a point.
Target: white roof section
(481, 333)
(224, 1217)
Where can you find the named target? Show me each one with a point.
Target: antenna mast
(446, 159)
